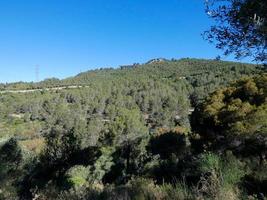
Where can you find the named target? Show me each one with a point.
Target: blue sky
(65, 37)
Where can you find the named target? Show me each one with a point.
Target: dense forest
(166, 129)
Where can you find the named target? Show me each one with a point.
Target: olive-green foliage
(209, 162)
(236, 115)
(77, 176)
(235, 118)
(61, 144)
(127, 126)
(138, 189)
(129, 135)
(106, 130)
(232, 169)
(228, 167)
(220, 176)
(102, 165)
(239, 109)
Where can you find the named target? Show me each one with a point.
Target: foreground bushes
(139, 189)
(218, 177)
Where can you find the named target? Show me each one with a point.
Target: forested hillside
(145, 131)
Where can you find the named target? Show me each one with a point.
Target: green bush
(232, 170)
(209, 162)
(77, 176)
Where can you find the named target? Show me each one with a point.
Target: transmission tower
(37, 73)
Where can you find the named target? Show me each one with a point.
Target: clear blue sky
(65, 37)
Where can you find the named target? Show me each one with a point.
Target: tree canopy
(241, 27)
(236, 115)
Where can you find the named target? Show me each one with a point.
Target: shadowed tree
(129, 133)
(10, 156)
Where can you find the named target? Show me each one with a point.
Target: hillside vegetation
(179, 129)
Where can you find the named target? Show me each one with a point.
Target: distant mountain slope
(202, 75)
